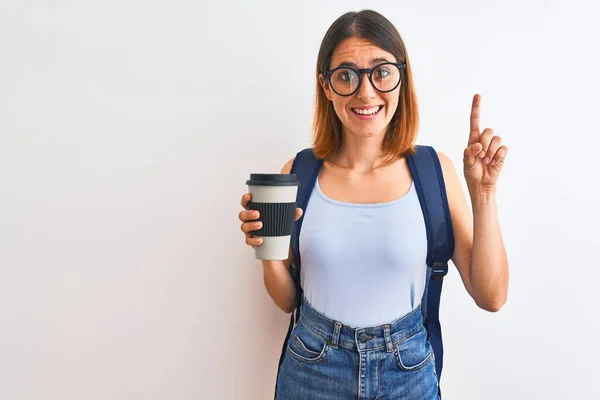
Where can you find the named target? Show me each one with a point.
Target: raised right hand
(249, 221)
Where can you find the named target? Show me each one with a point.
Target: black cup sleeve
(277, 218)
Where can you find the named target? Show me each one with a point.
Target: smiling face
(367, 112)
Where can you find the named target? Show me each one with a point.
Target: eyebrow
(373, 61)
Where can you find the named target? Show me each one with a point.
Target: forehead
(360, 52)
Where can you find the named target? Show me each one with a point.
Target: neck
(360, 153)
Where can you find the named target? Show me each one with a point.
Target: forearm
(279, 284)
(489, 265)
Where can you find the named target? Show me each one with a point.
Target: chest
(380, 186)
(374, 233)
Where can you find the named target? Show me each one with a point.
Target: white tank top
(363, 264)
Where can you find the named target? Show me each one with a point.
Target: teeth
(366, 112)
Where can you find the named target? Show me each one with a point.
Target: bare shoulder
(288, 166)
(451, 179)
(445, 161)
(448, 169)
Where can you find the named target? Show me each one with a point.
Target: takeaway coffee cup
(274, 196)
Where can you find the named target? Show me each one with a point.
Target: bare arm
(479, 254)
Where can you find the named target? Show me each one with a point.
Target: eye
(382, 73)
(346, 76)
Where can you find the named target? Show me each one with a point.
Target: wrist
(482, 194)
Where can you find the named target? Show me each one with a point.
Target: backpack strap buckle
(440, 269)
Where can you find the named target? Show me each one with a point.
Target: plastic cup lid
(272, 180)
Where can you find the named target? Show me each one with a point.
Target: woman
(363, 243)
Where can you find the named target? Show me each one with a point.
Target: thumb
(471, 153)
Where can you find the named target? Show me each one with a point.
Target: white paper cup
(274, 196)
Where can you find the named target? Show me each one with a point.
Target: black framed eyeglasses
(384, 77)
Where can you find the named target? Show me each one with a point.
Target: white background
(127, 132)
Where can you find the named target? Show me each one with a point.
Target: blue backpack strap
(306, 167)
(429, 182)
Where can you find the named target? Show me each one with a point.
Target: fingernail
(487, 160)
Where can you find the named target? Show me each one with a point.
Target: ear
(325, 86)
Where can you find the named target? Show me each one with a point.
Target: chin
(372, 132)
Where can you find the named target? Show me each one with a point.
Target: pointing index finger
(475, 132)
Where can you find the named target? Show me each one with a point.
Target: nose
(366, 89)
